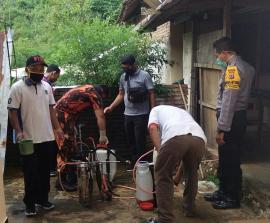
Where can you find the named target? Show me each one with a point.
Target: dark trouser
(53, 156)
(36, 169)
(190, 150)
(229, 170)
(136, 130)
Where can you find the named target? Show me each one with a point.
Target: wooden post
(227, 18)
(201, 84)
(258, 49)
(194, 78)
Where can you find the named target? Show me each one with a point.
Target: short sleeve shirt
(79, 99)
(139, 79)
(34, 104)
(173, 121)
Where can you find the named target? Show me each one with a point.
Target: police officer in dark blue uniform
(232, 101)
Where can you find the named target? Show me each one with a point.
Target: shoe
(46, 205)
(227, 203)
(213, 197)
(30, 211)
(151, 220)
(53, 174)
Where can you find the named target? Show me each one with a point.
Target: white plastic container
(144, 182)
(102, 156)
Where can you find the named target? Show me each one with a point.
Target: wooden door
(208, 87)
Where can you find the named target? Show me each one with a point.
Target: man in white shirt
(176, 137)
(32, 99)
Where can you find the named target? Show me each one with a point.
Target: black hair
(102, 90)
(128, 59)
(53, 67)
(224, 44)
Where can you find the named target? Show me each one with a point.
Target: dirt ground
(69, 210)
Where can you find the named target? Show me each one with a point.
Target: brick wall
(114, 122)
(162, 33)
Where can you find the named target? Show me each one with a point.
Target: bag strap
(128, 82)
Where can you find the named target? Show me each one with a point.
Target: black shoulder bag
(136, 94)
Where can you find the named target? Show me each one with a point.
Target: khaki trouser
(190, 150)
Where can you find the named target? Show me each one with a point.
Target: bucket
(26, 147)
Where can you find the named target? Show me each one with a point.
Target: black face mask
(128, 71)
(36, 77)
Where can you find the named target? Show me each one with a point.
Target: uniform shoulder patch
(232, 78)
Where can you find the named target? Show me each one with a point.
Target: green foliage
(93, 52)
(105, 9)
(81, 36)
(160, 89)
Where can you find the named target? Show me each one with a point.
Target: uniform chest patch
(9, 101)
(232, 78)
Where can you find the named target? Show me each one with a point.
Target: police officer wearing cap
(232, 102)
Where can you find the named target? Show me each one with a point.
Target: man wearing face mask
(137, 91)
(232, 102)
(32, 99)
(51, 76)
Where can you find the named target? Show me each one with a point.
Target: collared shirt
(34, 102)
(233, 90)
(139, 79)
(47, 80)
(79, 99)
(173, 121)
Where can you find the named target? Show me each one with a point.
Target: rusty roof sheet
(170, 9)
(128, 8)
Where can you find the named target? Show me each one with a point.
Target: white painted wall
(4, 94)
(187, 60)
